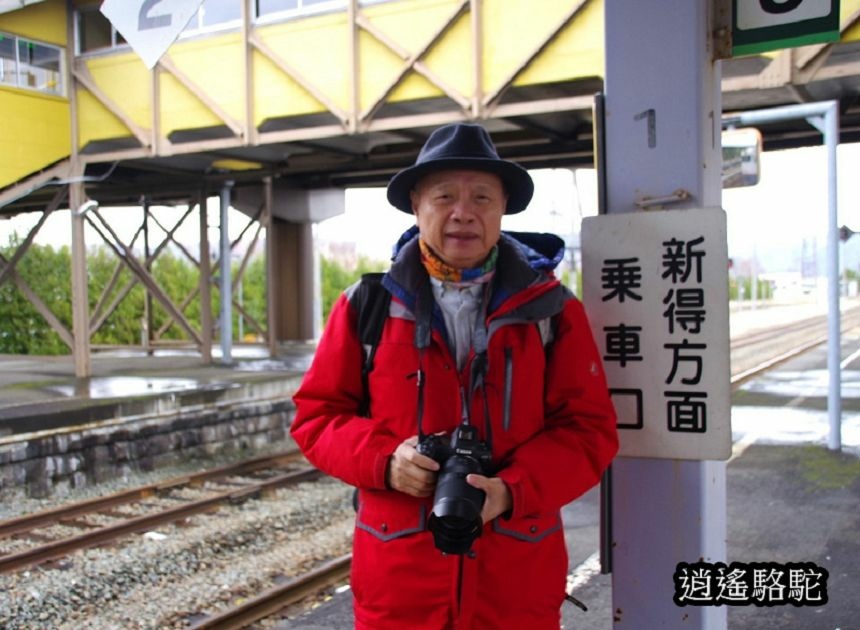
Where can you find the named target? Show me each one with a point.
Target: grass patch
(30, 385)
(828, 470)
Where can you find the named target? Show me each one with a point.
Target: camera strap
(423, 328)
(479, 366)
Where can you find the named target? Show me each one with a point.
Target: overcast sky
(789, 205)
(769, 220)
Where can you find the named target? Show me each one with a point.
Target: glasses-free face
(459, 214)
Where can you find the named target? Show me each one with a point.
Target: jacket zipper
(509, 379)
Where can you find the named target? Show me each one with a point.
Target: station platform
(57, 430)
(40, 380)
(789, 499)
(29, 384)
(138, 412)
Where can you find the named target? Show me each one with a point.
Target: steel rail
(60, 548)
(276, 598)
(48, 517)
(758, 336)
(850, 319)
(742, 377)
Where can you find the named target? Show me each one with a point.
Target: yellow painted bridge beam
(385, 66)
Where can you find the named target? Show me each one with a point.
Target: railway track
(277, 598)
(103, 520)
(762, 350)
(108, 518)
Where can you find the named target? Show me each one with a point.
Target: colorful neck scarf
(441, 270)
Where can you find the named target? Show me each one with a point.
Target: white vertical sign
(655, 285)
(150, 26)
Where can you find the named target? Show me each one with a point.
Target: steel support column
(225, 278)
(271, 312)
(205, 282)
(661, 138)
(830, 128)
(147, 264)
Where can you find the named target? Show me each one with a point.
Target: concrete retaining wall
(162, 429)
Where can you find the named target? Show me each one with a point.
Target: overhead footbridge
(278, 107)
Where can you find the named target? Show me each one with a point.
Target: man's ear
(413, 199)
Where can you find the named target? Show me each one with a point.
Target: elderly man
(488, 407)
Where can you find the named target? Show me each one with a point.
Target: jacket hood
(542, 251)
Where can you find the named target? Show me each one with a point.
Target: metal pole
(225, 279)
(241, 317)
(147, 301)
(271, 273)
(204, 281)
(825, 118)
(834, 342)
(777, 114)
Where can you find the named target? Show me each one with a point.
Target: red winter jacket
(553, 434)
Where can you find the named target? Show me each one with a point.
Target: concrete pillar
(293, 269)
(294, 290)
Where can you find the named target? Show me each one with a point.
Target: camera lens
(456, 518)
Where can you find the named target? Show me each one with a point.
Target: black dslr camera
(456, 517)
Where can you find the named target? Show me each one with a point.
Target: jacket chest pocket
(518, 366)
(530, 529)
(507, 392)
(389, 518)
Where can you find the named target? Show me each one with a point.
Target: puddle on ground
(117, 386)
(792, 425)
(808, 383)
(275, 365)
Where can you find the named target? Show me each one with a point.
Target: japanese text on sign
(655, 290)
(686, 410)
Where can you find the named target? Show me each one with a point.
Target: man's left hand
(498, 499)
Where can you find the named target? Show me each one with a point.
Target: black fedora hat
(462, 146)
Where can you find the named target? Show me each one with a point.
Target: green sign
(762, 25)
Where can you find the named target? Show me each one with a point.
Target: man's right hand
(411, 472)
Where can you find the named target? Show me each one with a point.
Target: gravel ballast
(175, 575)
